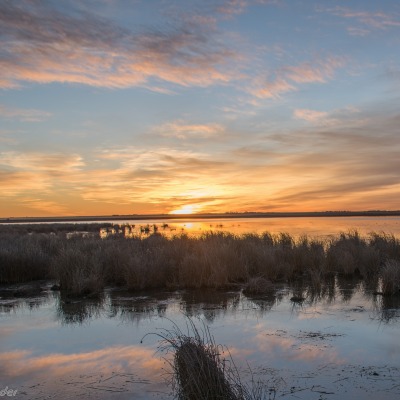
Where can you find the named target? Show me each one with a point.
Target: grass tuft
(199, 370)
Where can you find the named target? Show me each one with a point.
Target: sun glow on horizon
(188, 209)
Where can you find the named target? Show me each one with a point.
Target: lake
(339, 343)
(316, 227)
(343, 344)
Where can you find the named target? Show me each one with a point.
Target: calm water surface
(321, 226)
(342, 344)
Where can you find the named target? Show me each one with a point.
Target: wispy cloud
(47, 206)
(26, 115)
(14, 183)
(343, 156)
(106, 361)
(184, 130)
(288, 78)
(366, 21)
(378, 20)
(38, 173)
(55, 163)
(152, 175)
(272, 88)
(232, 7)
(316, 71)
(42, 44)
(324, 118)
(310, 115)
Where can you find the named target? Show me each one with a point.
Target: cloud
(232, 7)
(42, 44)
(324, 118)
(378, 20)
(310, 115)
(339, 159)
(33, 172)
(318, 71)
(121, 369)
(288, 78)
(119, 358)
(367, 21)
(236, 7)
(25, 115)
(159, 176)
(346, 164)
(184, 130)
(49, 162)
(272, 89)
(47, 206)
(16, 182)
(354, 31)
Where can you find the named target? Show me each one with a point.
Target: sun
(188, 209)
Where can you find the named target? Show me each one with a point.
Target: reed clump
(257, 285)
(199, 369)
(390, 276)
(84, 265)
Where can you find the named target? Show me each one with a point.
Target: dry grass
(257, 285)
(84, 265)
(199, 369)
(390, 276)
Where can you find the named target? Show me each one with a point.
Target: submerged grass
(84, 265)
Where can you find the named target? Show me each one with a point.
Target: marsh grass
(85, 265)
(257, 285)
(390, 275)
(201, 369)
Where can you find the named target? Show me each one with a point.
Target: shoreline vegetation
(85, 265)
(118, 217)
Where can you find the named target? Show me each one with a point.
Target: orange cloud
(324, 118)
(303, 169)
(288, 78)
(55, 162)
(130, 369)
(317, 71)
(44, 45)
(273, 89)
(118, 359)
(310, 115)
(183, 130)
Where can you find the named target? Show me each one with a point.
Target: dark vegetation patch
(85, 265)
(201, 369)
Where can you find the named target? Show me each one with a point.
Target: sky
(142, 107)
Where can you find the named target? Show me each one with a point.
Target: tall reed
(84, 265)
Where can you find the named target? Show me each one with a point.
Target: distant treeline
(55, 228)
(370, 213)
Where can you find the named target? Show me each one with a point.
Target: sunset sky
(121, 107)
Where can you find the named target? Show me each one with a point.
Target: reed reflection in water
(93, 345)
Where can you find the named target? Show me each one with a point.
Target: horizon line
(229, 214)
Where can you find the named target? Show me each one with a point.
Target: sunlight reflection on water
(316, 227)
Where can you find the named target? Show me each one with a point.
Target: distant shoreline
(136, 217)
